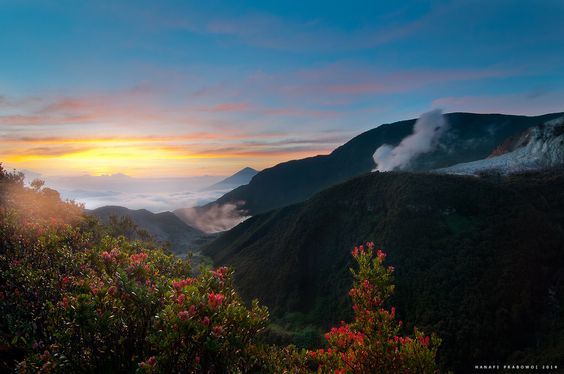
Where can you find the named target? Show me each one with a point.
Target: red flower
(180, 299)
(138, 258)
(206, 321)
(178, 285)
(152, 361)
(215, 299)
(424, 341)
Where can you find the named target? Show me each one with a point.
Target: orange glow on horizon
(143, 156)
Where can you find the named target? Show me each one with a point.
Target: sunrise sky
(185, 88)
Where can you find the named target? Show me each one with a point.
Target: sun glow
(143, 156)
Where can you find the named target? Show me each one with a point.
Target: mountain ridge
(241, 177)
(164, 226)
(471, 137)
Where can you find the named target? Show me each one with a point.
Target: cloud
(426, 133)
(216, 218)
(273, 32)
(154, 194)
(531, 102)
(347, 82)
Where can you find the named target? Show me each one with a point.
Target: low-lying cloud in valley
(426, 133)
(154, 194)
(215, 218)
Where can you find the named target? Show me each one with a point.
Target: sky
(185, 88)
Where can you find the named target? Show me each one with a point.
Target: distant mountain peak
(246, 169)
(240, 178)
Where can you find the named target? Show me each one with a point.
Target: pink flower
(220, 272)
(217, 330)
(192, 310)
(152, 361)
(184, 315)
(381, 255)
(206, 321)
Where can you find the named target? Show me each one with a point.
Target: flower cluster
(215, 299)
(178, 285)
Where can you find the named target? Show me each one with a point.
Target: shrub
(371, 343)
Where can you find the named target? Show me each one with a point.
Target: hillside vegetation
(77, 296)
(479, 260)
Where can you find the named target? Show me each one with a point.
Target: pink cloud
(342, 82)
(228, 107)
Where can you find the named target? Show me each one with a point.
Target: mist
(425, 137)
(215, 218)
(154, 194)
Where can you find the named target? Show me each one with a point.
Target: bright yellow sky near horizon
(141, 157)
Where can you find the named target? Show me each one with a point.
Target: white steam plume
(216, 218)
(426, 133)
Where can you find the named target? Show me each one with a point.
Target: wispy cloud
(516, 103)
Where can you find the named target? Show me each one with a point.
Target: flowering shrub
(371, 343)
(75, 297)
(206, 327)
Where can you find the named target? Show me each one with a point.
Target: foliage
(78, 296)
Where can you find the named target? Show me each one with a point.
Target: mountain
(480, 261)
(240, 178)
(470, 137)
(164, 227)
(536, 148)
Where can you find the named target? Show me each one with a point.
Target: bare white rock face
(540, 147)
